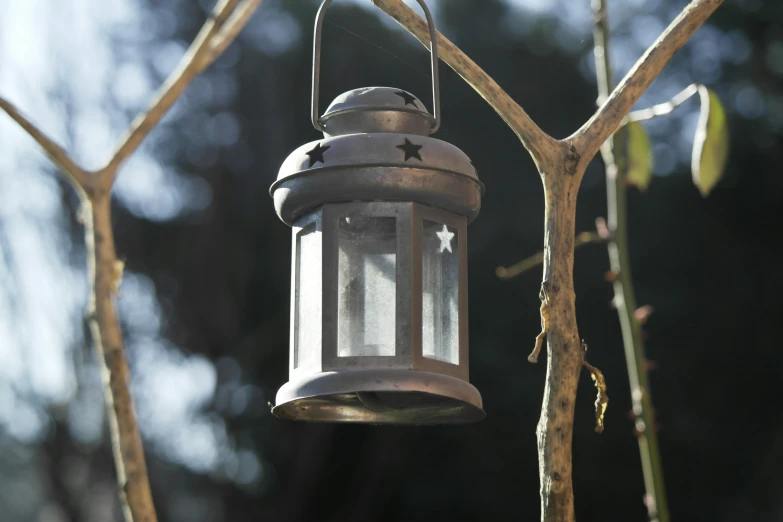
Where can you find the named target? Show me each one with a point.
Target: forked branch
(562, 165)
(227, 19)
(105, 270)
(536, 141)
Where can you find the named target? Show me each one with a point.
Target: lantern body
(379, 269)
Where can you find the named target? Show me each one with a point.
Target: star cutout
(411, 150)
(409, 98)
(317, 154)
(445, 239)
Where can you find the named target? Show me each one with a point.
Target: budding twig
(662, 109)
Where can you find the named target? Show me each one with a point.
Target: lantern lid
(376, 148)
(377, 109)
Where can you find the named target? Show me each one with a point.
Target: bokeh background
(205, 298)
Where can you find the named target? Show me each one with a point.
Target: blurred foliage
(198, 227)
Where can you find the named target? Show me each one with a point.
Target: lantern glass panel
(308, 301)
(440, 292)
(367, 286)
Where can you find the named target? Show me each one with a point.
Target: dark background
(711, 268)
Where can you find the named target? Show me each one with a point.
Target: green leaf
(711, 143)
(639, 156)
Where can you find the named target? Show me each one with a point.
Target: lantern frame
(409, 274)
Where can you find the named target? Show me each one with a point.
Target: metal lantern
(379, 210)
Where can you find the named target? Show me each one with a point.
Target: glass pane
(308, 295)
(366, 283)
(440, 292)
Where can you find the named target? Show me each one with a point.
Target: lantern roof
(377, 109)
(376, 148)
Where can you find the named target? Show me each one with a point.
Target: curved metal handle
(319, 22)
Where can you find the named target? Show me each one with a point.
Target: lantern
(379, 210)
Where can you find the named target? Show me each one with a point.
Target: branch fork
(561, 164)
(105, 269)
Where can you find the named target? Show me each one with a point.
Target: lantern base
(380, 397)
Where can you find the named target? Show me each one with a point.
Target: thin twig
(663, 109)
(231, 28)
(625, 300)
(506, 273)
(78, 177)
(589, 138)
(536, 141)
(201, 53)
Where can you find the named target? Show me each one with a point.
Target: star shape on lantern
(411, 150)
(317, 154)
(408, 97)
(445, 239)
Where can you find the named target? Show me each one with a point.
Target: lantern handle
(319, 21)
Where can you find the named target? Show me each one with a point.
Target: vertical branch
(561, 176)
(624, 298)
(105, 271)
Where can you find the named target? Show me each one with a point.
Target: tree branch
(596, 131)
(231, 28)
(583, 238)
(536, 141)
(105, 270)
(665, 108)
(213, 38)
(625, 299)
(78, 177)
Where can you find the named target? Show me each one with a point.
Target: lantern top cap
(377, 109)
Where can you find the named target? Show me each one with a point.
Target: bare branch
(202, 52)
(536, 141)
(76, 175)
(662, 109)
(231, 29)
(105, 270)
(605, 121)
(583, 238)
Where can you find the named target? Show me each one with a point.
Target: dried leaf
(602, 399)
(118, 267)
(638, 154)
(711, 143)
